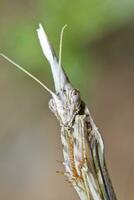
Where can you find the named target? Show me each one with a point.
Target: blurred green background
(98, 55)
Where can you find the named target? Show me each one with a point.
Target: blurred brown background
(98, 53)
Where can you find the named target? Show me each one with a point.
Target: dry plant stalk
(83, 147)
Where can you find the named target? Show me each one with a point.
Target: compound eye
(75, 92)
(75, 95)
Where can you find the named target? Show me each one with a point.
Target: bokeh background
(98, 55)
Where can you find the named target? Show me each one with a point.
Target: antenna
(28, 73)
(60, 45)
(60, 51)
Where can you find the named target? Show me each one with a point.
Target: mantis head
(65, 102)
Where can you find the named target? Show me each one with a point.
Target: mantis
(82, 144)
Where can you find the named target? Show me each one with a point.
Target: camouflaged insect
(83, 148)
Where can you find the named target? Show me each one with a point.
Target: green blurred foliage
(86, 20)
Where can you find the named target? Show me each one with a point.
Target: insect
(83, 148)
